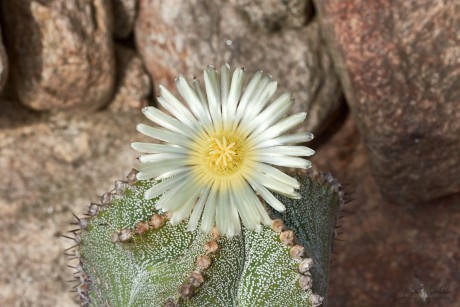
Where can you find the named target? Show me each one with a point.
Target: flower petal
(164, 135)
(189, 95)
(158, 148)
(286, 139)
(196, 214)
(284, 161)
(221, 124)
(280, 127)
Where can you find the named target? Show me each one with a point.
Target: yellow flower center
(225, 154)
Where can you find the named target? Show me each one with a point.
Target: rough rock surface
(273, 15)
(183, 37)
(388, 255)
(3, 63)
(124, 13)
(55, 165)
(133, 83)
(401, 73)
(61, 52)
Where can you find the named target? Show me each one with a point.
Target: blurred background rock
(74, 75)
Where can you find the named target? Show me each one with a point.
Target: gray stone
(401, 73)
(183, 37)
(61, 52)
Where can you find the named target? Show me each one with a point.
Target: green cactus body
(130, 255)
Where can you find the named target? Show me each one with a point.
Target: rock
(124, 12)
(273, 15)
(3, 63)
(178, 37)
(43, 183)
(133, 83)
(391, 242)
(401, 73)
(61, 52)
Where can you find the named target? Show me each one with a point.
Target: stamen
(225, 154)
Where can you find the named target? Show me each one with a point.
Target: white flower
(219, 149)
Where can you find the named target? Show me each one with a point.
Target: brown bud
(186, 291)
(297, 252)
(77, 239)
(114, 237)
(305, 282)
(85, 278)
(287, 237)
(132, 177)
(305, 265)
(93, 209)
(80, 267)
(211, 247)
(203, 262)
(106, 198)
(196, 279)
(120, 187)
(315, 300)
(156, 221)
(278, 225)
(83, 288)
(141, 228)
(124, 235)
(83, 223)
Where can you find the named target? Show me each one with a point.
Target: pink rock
(399, 62)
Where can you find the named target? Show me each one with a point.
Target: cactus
(129, 255)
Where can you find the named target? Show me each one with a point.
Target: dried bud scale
(120, 187)
(157, 221)
(203, 262)
(297, 252)
(106, 198)
(83, 223)
(132, 177)
(305, 282)
(316, 300)
(141, 228)
(211, 247)
(196, 279)
(287, 237)
(114, 237)
(278, 225)
(186, 291)
(305, 265)
(93, 209)
(125, 235)
(77, 239)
